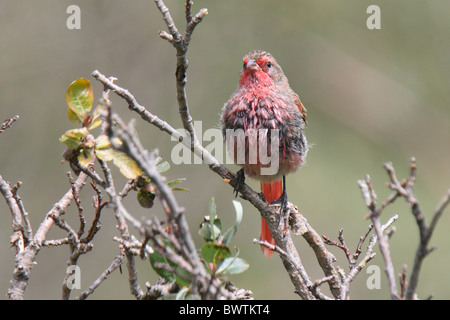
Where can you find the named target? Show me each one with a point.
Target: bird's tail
(272, 191)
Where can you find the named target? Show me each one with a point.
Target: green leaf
(214, 253)
(212, 218)
(163, 166)
(158, 159)
(180, 275)
(128, 167)
(232, 265)
(95, 122)
(72, 138)
(146, 198)
(104, 151)
(105, 154)
(176, 181)
(205, 230)
(212, 209)
(85, 157)
(96, 117)
(230, 232)
(211, 227)
(79, 98)
(156, 258)
(103, 148)
(102, 142)
(222, 253)
(181, 295)
(179, 189)
(173, 182)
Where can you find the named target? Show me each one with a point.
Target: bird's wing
(300, 106)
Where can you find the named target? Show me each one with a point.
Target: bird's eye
(269, 64)
(245, 63)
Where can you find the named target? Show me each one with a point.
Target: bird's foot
(240, 181)
(282, 201)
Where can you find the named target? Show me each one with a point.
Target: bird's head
(260, 68)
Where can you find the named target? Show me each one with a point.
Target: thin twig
(117, 262)
(25, 260)
(76, 198)
(8, 122)
(370, 198)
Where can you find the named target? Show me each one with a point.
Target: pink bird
(262, 125)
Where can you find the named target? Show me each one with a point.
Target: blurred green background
(372, 96)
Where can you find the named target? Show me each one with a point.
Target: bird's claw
(240, 181)
(282, 201)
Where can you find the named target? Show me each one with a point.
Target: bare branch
(403, 189)
(284, 241)
(445, 201)
(17, 238)
(370, 199)
(26, 258)
(117, 262)
(326, 259)
(76, 198)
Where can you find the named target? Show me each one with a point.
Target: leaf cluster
(215, 253)
(82, 146)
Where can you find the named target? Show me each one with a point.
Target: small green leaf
(96, 117)
(212, 218)
(85, 157)
(79, 98)
(163, 166)
(176, 181)
(211, 227)
(103, 148)
(95, 122)
(156, 258)
(104, 151)
(232, 265)
(180, 275)
(146, 198)
(72, 138)
(208, 251)
(179, 189)
(102, 142)
(205, 230)
(214, 253)
(230, 232)
(105, 154)
(181, 295)
(128, 167)
(222, 253)
(212, 209)
(173, 182)
(158, 159)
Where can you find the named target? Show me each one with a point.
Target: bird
(263, 125)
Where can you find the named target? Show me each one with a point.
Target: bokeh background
(372, 96)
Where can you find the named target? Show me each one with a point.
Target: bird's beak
(252, 66)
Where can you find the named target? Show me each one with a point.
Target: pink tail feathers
(272, 191)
